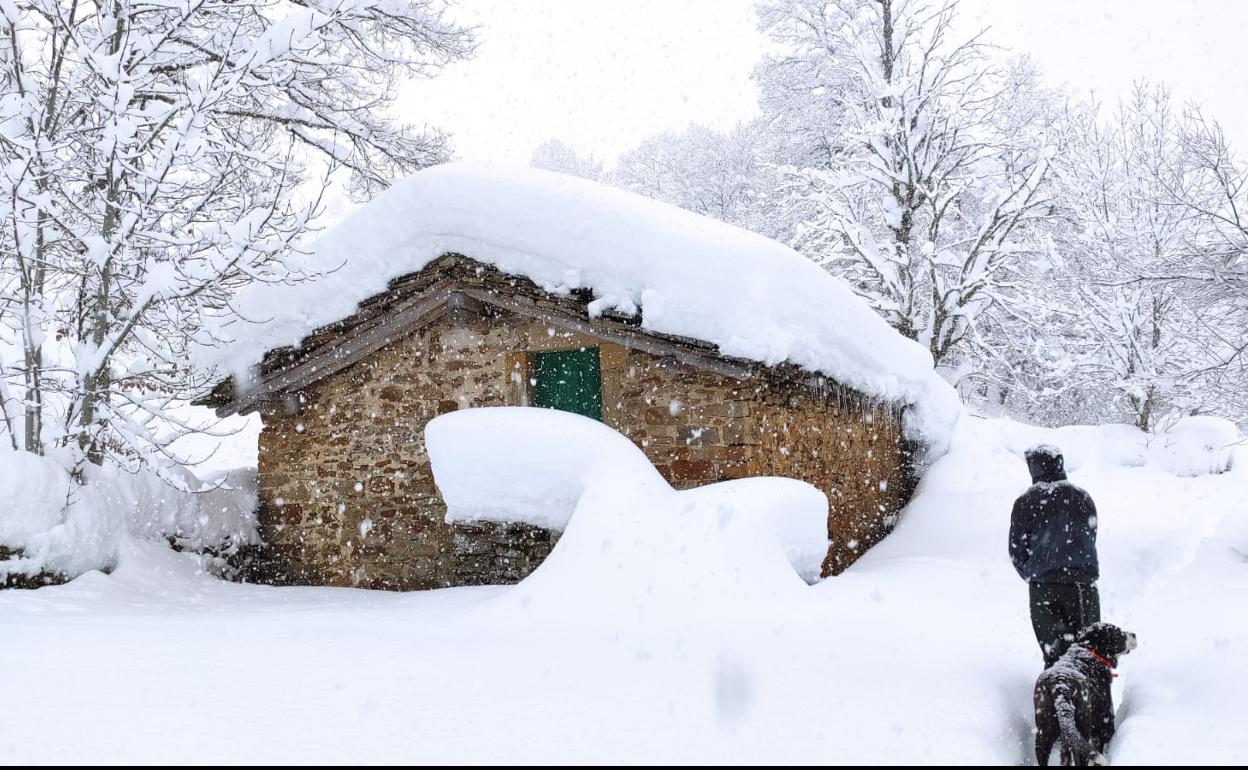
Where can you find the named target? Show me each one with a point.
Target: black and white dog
(1072, 697)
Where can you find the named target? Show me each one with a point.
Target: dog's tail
(1073, 740)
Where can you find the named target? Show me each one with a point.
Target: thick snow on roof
(688, 275)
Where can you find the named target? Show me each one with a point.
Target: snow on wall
(627, 534)
(686, 274)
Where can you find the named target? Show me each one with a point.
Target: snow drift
(63, 527)
(631, 545)
(1194, 446)
(1190, 446)
(920, 653)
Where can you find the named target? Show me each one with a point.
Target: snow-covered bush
(57, 526)
(1194, 446)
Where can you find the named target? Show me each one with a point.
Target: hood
(1045, 463)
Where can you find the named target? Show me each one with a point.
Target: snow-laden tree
(720, 174)
(556, 155)
(155, 156)
(911, 185)
(1128, 189)
(1216, 268)
(1061, 264)
(1115, 182)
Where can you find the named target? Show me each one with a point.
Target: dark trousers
(1058, 612)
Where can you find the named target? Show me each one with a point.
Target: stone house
(346, 493)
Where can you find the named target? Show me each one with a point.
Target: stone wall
(348, 498)
(19, 580)
(347, 495)
(691, 423)
(850, 450)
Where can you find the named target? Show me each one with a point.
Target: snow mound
(63, 527)
(509, 464)
(631, 544)
(685, 274)
(1195, 446)
(1192, 446)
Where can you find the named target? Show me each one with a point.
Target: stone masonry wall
(348, 498)
(850, 451)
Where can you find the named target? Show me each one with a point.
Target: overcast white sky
(604, 74)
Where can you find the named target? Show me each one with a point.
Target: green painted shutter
(570, 380)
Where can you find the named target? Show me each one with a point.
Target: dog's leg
(1076, 749)
(1102, 727)
(1044, 747)
(1046, 725)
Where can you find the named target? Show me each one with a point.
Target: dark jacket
(1053, 525)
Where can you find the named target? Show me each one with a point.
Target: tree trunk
(97, 382)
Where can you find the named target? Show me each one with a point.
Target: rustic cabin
(346, 493)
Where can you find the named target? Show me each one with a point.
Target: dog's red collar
(1104, 661)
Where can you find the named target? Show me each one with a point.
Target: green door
(570, 380)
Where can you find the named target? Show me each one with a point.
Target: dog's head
(1107, 639)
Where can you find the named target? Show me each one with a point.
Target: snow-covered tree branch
(154, 157)
(919, 190)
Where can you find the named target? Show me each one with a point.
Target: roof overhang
(457, 292)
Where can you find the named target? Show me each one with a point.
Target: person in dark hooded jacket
(1053, 547)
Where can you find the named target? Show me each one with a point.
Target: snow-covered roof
(685, 274)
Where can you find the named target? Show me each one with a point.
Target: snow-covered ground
(920, 653)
